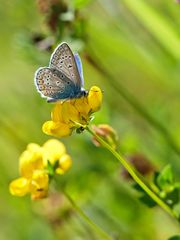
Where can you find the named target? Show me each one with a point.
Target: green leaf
(147, 201)
(144, 198)
(173, 197)
(165, 179)
(138, 188)
(174, 238)
(50, 169)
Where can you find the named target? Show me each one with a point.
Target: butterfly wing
(79, 66)
(63, 60)
(53, 84)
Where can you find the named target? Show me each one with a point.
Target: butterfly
(63, 79)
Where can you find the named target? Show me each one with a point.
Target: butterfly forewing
(63, 60)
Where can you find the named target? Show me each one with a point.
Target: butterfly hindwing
(63, 60)
(52, 83)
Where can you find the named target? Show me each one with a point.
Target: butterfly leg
(49, 100)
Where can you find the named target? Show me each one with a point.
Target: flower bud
(107, 133)
(95, 98)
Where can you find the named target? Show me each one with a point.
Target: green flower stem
(135, 175)
(101, 233)
(133, 101)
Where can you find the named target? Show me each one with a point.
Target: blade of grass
(101, 232)
(157, 25)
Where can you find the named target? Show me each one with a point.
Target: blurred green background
(131, 49)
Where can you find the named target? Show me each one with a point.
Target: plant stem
(135, 175)
(101, 232)
(135, 103)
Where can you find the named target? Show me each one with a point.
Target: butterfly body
(63, 79)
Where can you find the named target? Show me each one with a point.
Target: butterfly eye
(68, 82)
(69, 66)
(62, 76)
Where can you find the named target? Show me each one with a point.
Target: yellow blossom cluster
(69, 115)
(34, 165)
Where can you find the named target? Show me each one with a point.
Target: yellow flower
(69, 115)
(65, 163)
(30, 160)
(53, 150)
(34, 165)
(19, 187)
(56, 129)
(55, 153)
(95, 98)
(39, 184)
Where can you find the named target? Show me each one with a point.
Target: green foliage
(174, 238)
(50, 169)
(164, 186)
(169, 189)
(144, 198)
(165, 179)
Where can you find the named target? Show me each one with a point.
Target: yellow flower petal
(70, 113)
(30, 160)
(19, 187)
(39, 184)
(34, 148)
(39, 194)
(65, 163)
(81, 104)
(95, 98)
(53, 151)
(39, 180)
(56, 114)
(56, 129)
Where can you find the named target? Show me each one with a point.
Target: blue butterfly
(63, 79)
